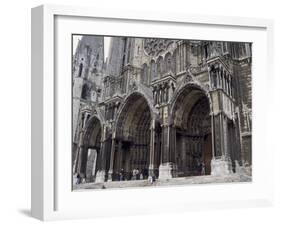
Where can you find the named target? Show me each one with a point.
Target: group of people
(135, 174)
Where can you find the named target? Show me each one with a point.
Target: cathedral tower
(87, 71)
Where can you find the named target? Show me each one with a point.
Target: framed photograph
(136, 113)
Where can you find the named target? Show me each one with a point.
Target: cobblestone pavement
(174, 181)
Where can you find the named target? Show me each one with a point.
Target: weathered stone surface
(165, 171)
(167, 182)
(171, 110)
(100, 177)
(220, 167)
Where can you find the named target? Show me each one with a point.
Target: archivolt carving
(121, 114)
(187, 88)
(93, 129)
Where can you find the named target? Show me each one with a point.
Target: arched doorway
(192, 122)
(132, 138)
(91, 156)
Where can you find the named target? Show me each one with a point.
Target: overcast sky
(76, 38)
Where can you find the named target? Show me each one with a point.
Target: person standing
(203, 169)
(141, 176)
(121, 175)
(134, 174)
(78, 178)
(137, 174)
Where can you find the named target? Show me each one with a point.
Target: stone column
(173, 150)
(170, 91)
(110, 172)
(213, 134)
(78, 159)
(78, 83)
(166, 166)
(152, 149)
(100, 176)
(221, 163)
(167, 93)
(120, 155)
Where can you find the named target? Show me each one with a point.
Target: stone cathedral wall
(159, 69)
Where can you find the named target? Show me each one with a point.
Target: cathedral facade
(168, 108)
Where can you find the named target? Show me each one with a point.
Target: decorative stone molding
(188, 77)
(195, 70)
(154, 46)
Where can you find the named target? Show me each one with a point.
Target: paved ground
(174, 181)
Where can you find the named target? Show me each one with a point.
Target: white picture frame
(52, 198)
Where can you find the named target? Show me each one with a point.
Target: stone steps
(173, 181)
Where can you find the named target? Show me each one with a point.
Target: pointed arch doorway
(193, 134)
(91, 157)
(133, 139)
